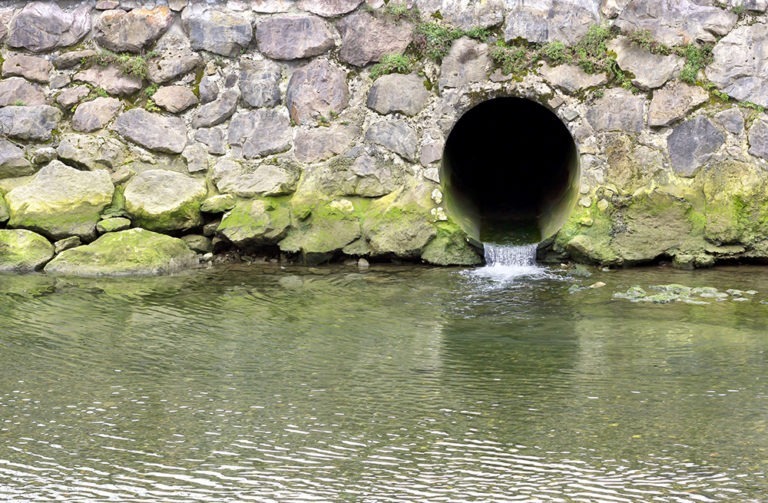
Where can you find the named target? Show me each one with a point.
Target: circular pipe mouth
(510, 172)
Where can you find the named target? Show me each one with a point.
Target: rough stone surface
(732, 120)
(758, 137)
(650, 70)
(111, 79)
(319, 144)
(329, 8)
(72, 96)
(692, 143)
(465, 14)
(174, 99)
(172, 63)
(132, 31)
(676, 22)
(30, 67)
(131, 252)
(218, 203)
(247, 180)
(29, 122)
(93, 115)
(12, 160)
(366, 38)
(673, 102)
(617, 110)
(405, 94)
(162, 200)
(466, 62)
(260, 132)
(213, 139)
(209, 89)
(331, 227)
(255, 223)
(196, 157)
(294, 37)
(152, 131)
(395, 135)
(17, 91)
(23, 250)
(41, 26)
(71, 59)
(61, 201)
(113, 224)
(571, 78)
(739, 65)
(217, 31)
(260, 83)
(318, 89)
(216, 112)
(92, 152)
(550, 20)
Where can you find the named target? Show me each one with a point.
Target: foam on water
(507, 262)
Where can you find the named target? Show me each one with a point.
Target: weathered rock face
(692, 143)
(398, 93)
(260, 83)
(41, 26)
(758, 138)
(218, 31)
(246, 180)
(738, 67)
(466, 14)
(111, 79)
(320, 144)
(173, 63)
(92, 152)
(467, 62)
(260, 133)
(329, 8)
(317, 90)
(174, 99)
(30, 67)
(131, 31)
(673, 102)
(571, 78)
(29, 123)
(152, 131)
(93, 115)
(17, 91)
(604, 117)
(294, 37)
(366, 38)
(394, 135)
(550, 20)
(161, 200)
(23, 250)
(61, 201)
(12, 161)
(650, 70)
(255, 223)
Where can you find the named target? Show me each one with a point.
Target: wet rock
(673, 102)
(318, 144)
(758, 137)
(450, 247)
(366, 38)
(260, 132)
(294, 37)
(66, 244)
(329, 8)
(113, 224)
(571, 78)
(197, 243)
(174, 99)
(161, 200)
(213, 138)
(465, 14)
(29, 122)
(216, 112)
(407, 239)
(130, 252)
(93, 115)
(405, 94)
(42, 26)
(731, 120)
(549, 20)
(92, 152)
(676, 22)
(61, 201)
(152, 131)
(23, 250)
(217, 31)
(395, 135)
(318, 89)
(255, 223)
(249, 180)
(172, 63)
(12, 161)
(738, 64)
(72, 96)
(692, 143)
(132, 31)
(650, 70)
(30, 67)
(466, 62)
(260, 83)
(111, 79)
(17, 91)
(331, 227)
(617, 110)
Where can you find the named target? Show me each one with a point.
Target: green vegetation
(556, 53)
(131, 64)
(512, 59)
(696, 58)
(434, 39)
(644, 39)
(392, 63)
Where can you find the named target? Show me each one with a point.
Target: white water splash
(507, 262)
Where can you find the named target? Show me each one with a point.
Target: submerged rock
(23, 250)
(129, 252)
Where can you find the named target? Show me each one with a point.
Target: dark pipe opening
(510, 171)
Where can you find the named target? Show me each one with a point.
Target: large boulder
(42, 26)
(366, 38)
(692, 143)
(618, 110)
(466, 62)
(260, 132)
(294, 37)
(161, 200)
(152, 131)
(260, 83)
(92, 152)
(676, 22)
(542, 21)
(216, 30)
(329, 8)
(30, 67)
(248, 180)
(18, 91)
(318, 89)
(12, 161)
(121, 31)
(740, 64)
(23, 251)
(255, 223)
(392, 93)
(395, 135)
(95, 114)
(61, 201)
(126, 253)
(34, 123)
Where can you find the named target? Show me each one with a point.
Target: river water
(260, 383)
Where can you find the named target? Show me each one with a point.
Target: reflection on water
(397, 384)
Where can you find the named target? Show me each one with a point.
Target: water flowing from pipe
(507, 262)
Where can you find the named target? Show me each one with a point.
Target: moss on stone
(256, 222)
(23, 250)
(450, 247)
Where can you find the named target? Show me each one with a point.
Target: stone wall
(284, 125)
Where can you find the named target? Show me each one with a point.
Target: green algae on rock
(23, 251)
(129, 252)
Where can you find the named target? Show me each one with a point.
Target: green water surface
(258, 383)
